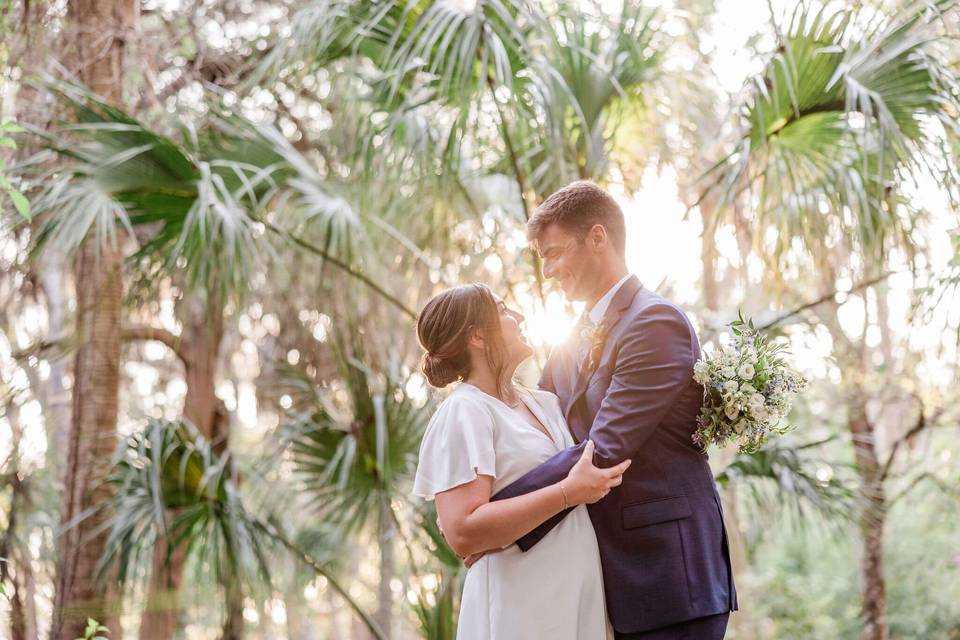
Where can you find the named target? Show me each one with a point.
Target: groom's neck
(604, 282)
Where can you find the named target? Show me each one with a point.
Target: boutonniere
(596, 339)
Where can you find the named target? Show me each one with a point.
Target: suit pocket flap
(656, 511)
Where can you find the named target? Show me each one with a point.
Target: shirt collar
(600, 309)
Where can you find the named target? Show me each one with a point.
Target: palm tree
(200, 212)
(540, 92)
(211, 205)
(99, 286)
(170, 483)
(846, 113)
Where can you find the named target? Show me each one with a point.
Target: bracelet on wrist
(566, 503)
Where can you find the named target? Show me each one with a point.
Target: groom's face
(567, 260)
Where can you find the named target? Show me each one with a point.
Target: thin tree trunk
(30, 595)
(708, 257)
(233, 624)
(57, 405)
(17, 618)
(882, 291)
(871, 520)
(200, 351)
(384, 614)
(301, 623)
(18, 630)
(872, 499)
(337, 628)
(100, 30)
(741, 621)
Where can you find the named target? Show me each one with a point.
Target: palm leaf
(781, 473)
(835, 123)
(169, 483)
(352, 458)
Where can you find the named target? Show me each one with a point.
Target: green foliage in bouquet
(748, 390)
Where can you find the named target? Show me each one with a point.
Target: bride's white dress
(554, 590)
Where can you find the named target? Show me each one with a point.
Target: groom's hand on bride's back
(586, 483)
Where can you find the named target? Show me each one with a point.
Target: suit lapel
(620, 303)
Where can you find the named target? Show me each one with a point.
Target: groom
(625, 381)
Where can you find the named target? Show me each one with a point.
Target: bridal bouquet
(748, 390)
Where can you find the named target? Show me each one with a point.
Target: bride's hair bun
(439, 371)
(445, 326)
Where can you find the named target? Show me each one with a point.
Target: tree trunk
(384, 614)
(741, 621)
(57, 404)
(91, 445)
(30, 595)
(871, 520)
(855, 364)
(301, 621)
(708, 257)
(233, 624)
(99, 30)
(200, 351)
(17, 618)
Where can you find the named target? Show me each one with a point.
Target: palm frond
(199, 209)
(781, 473)
(841, 116)
(436, 615)
(204, 206)
(169, 483)
(353, 455)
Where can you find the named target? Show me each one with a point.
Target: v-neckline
(546, 433)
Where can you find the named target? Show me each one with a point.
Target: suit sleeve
(653, 367)
(654, 364)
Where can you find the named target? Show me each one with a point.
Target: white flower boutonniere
(596, 339)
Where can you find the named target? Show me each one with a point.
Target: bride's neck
(484, 379)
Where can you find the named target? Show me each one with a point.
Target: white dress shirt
(597, 312)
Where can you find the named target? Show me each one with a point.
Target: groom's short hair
(576, 208)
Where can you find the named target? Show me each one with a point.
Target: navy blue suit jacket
(662, 541)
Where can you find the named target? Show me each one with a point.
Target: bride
(487, 433)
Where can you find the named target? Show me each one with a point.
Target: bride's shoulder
(545, 397)
(460, 403)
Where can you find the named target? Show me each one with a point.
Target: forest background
(220, 218)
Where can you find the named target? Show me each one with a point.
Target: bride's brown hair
(444, 328)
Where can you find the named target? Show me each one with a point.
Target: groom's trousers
(708, 628)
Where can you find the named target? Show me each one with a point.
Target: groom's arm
(654, 365)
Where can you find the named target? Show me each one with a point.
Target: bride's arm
(471, 523)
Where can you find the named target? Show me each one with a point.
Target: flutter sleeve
(457, 446)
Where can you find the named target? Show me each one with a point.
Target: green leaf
(8, 126)
(20, 202)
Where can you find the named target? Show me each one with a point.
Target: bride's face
(515, 342)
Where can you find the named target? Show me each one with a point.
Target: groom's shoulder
(650, 306)
(651, 302)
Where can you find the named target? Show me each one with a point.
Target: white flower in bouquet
(748, 390)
